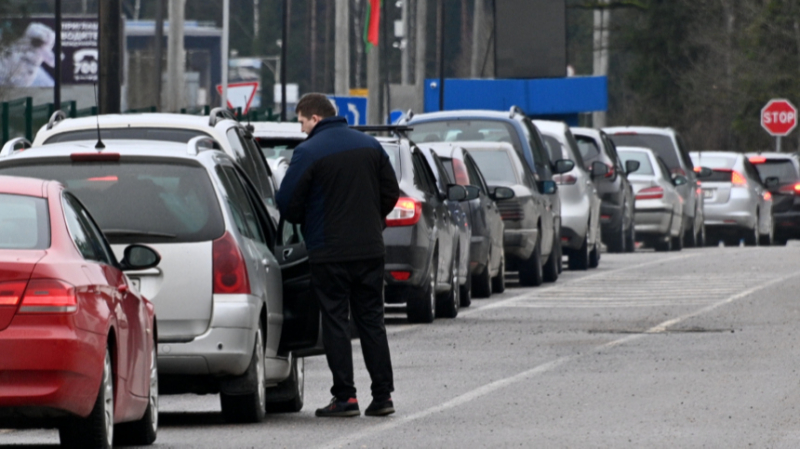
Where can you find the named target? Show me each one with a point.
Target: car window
(464, 131)
(24, 222)
(662, 145)
(553, 146)
(783, 169)
(611, 150)
(98, 240)
(576, 155)
(684, 153)
(496, 166)
(540, 156)
(421, 179)
(79, 232)
(474, 174)
(645, 167)
(665, 173)
(716, 161)
(752, 173)
(140, 202)
(265, 221)
(244, 216)
(273, 147)
(588, 148)
(252, 161)
(134, 133)
(393, 151)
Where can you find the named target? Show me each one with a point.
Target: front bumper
(574, 230)
(520, 243)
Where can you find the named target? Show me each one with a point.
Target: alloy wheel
(154, 391)
(108, 400)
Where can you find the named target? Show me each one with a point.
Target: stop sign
(779, 117)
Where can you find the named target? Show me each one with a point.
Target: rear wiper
(134, 233)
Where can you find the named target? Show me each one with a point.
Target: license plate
(708, 193)
(136, 283)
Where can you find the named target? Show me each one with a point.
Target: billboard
(29, 60)
(531, 39)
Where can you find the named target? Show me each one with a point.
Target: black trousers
(357, 286)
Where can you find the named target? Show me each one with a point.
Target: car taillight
(460, 172)
(406, 212)
(791, 188)
(650, 193)
(767, 196)
(758, 160)
(49, 296)
(610, 173)
(401, 275)
(565, 179)
(11, 292)
(738, 179)
(230, 271)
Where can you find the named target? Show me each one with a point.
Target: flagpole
(441, 54)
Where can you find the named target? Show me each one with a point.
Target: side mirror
(772, 182)
(548, 187)
(139, 257)
(473, 193)
(456, 193)
(599, 169)
(679, 180)
(631, 166)
(704, 172)
(502, 193)
(562, 166)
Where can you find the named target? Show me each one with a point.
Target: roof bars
(55, 119)
(397, 129)
(515, 110)
(218, 114)
(11, 146)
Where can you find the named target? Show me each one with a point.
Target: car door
(764, 200)
(438, 210)
(488, 210)
(551, 222)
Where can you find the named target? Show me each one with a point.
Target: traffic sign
(354, 109)
(779, 117)
(240, 95)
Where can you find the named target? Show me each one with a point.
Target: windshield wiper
(134, 233)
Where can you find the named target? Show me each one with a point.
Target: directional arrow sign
(240, 95)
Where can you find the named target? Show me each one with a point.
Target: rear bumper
(656, 221)
(787, 223)
(49, 373)
(738, 211)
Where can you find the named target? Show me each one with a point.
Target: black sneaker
(380, 408)
(340, 409)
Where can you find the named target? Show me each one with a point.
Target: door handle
(287, 252)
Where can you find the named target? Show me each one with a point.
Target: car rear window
(464, 131)
(783, 169)
(158, 134)
(274, 147)
(645, 167)
(140, 202)
(588, 148)
(719, 175)
(662, 145)
(24, 222)
(393, 151)
(716, 161)
(496, 166)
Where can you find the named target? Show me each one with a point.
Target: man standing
(340, 187)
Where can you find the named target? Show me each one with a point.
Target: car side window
(664, 169)
(540, 156)
(687, 160)
(612, 152)
(262, 216)
(752, 173)
(243, 214)
(86, 236)
(421, 179)
(262, 171)
(576, 152)
(475, 176)
(248, 160)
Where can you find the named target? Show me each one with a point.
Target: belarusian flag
(372, 23)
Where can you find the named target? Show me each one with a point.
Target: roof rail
(201, 143)
(397, 129)
(218, 114)
(55, 119)
(515, 110)
(11, 146)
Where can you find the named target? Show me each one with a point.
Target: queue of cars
(185, 207)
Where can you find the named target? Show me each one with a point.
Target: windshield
(496, 166)
(140, 202)
(662, 145)
(274, 147)
(645, 167)
(783, 169)
(158, 134)
(24, 222)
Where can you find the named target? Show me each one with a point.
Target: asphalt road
(690, 349)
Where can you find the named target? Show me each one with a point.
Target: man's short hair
(315, 104)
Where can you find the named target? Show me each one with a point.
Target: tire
(248, 403)
(701, 236)
(293, 387)
(144, 431)
(594, 257)
(677, 242)
(616, 244)
(579, 259)
(448, 303)
(690, 239)
(731, 241)
(466, 293)
(531, 273)
(768, 239)
(780, 241)
(630, 239)
(482, 284)
(499, 281)
(553, 261)
(96, 431)
(663, 244)
(751, 236)
(422, 308)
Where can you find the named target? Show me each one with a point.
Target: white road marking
(484, 390)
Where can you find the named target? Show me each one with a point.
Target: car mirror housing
(562, 166)
(704, 172)
(599, 169)
(548, 187)
(679, 180)
(772, 181)
(502, 193)
(631, 166)
(456, 193)
(473, 192)
(139, 257)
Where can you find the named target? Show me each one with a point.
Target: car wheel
(630, 240)
(701, 236)
(499, 281)
(780, 240)
(466, 292)
(142, 432)
(594, 257)
(448, 303)
(422, 308)
(482, 283)
(243, 398)
(690, 239)
(677, 242)
(553, 261)
(289, 395)
(97, 429)
(579, 259)
(531, 273)
(663, 244)
(616, 244)
(768, 239)
(751, 236)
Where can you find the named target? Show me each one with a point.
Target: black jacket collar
(330, 122)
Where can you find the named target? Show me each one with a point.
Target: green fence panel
(40, 115)
(87, 112)
(141, 110)
(5, 133)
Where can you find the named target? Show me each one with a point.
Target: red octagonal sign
(779, 117)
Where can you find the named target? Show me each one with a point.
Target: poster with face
(27, 58)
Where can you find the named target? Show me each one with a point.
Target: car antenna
(100, 145)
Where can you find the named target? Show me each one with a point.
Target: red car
(77, 345)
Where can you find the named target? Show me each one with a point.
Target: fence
(20, 118)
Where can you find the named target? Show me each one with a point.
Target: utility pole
(342, 52)
(313, 38)
(477, 41)
(420, 46)
(159, 52)
(386, 99)
(57, 51)
(226, 31)
(442, 22)
(175, 56)
(602, 18)
(109, 14)
(404, 69)
(284, 44)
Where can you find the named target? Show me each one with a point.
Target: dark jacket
(340, 187)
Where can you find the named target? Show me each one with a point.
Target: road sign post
(779, 118)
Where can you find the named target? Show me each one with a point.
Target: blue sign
(354, 109)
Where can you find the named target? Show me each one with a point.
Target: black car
(781, 174)
(421, 238)
(616, 194)
(486, 257)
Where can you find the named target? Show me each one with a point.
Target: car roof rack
(201, 143)
(218, 114)
(515, 110)
(400, 130)
(55, 119)
(11, 146)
